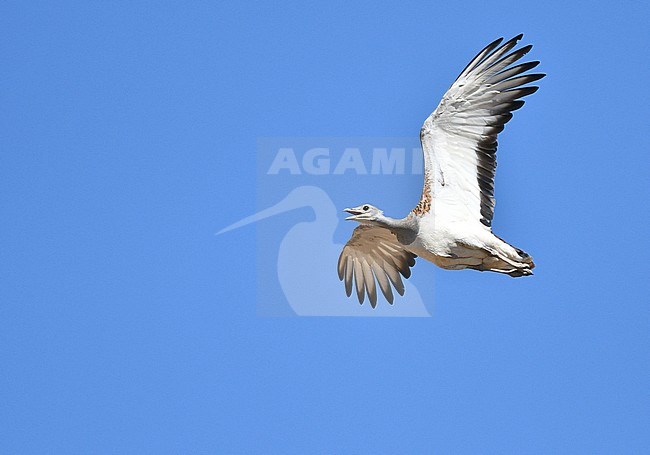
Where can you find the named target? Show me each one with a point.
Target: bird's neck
(388, 222)
(395, 223)
(405, 229)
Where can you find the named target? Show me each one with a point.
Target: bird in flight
(451, 225)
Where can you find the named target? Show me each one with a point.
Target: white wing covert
(373, 253)
(459, 139)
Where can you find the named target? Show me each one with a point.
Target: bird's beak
(354, 213)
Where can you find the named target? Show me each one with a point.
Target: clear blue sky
(129, 138)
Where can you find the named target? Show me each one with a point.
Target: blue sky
(129, 138)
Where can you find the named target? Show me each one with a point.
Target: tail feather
(509, 260)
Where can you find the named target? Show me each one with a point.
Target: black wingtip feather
(487, 50)
(493, 44)
(514, 40)
(524, 91)
(534, 77)
(517, 54)
(515, 105)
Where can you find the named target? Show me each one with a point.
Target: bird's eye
(365, 208)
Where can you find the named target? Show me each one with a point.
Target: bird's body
(451, 224)
(455, 246)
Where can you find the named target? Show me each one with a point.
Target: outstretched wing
(459, 139)
(373, 253)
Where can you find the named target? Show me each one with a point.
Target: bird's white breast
(440, 241)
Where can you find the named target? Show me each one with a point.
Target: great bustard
(451, 225)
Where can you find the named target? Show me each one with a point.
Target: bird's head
(364, 213)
